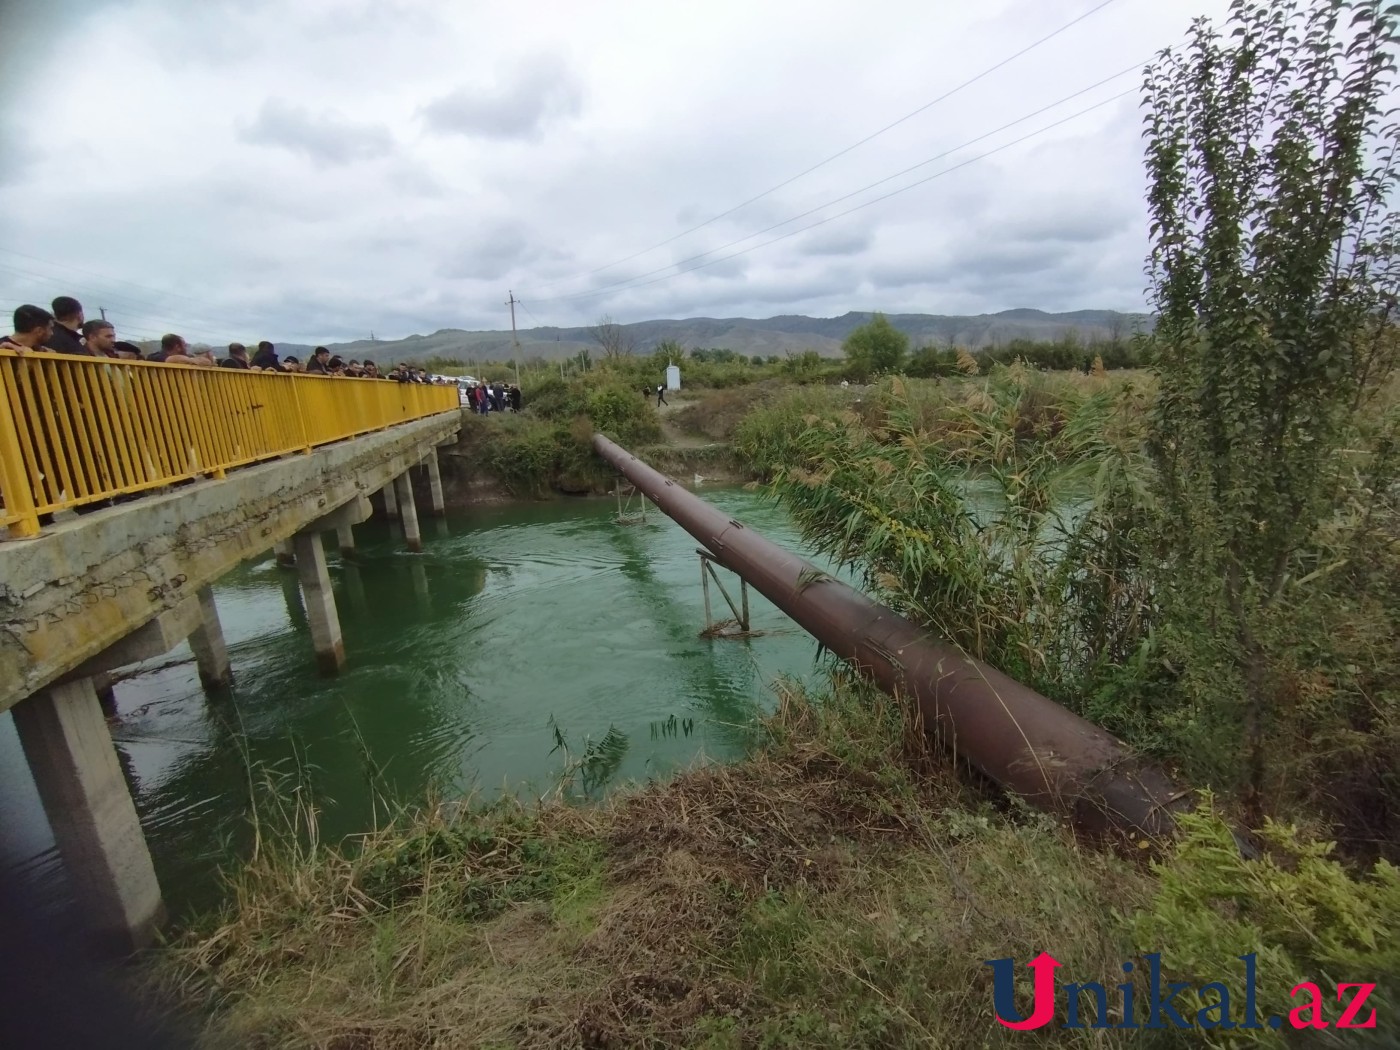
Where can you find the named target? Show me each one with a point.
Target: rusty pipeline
(1027, 743)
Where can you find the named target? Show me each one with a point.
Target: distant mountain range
(769, 336)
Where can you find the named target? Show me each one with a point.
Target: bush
(1305, 918)
(623, 415)
(555, 399)
(876, 348)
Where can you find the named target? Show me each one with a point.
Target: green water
(459, 660)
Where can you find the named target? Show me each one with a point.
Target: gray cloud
(486, 255)
(833, 240)
(402, 187)
(517, 108)
(326, 138)
(416, 181)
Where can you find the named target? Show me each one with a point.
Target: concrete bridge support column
(282, 551)
(391, 503)
(106, 695)
(207, 641)
(94, 820)
(408, 511)
(320, 602)
(439, 503)
(345, 536)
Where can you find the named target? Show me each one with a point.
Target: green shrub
(623, 415)
(556, 399)
(1303, 916)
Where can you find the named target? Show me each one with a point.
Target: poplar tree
(1271, 165)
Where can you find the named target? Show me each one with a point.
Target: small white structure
(673, 377)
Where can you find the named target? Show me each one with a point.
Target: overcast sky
(312, 170)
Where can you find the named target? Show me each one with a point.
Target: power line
(93, 273)
(841, 153)
(866, 204)
(50, 279)
(135, 307)
(180, 321)
(143, 317)
(847, 196)
(530, 312)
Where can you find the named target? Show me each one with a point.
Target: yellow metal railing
(78, 430)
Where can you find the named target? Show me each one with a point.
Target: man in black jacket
(266, 358)
(319, 364)
(237, 357)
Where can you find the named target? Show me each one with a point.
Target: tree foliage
(875, 348)
(1271, 168)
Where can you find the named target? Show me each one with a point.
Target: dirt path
(673, 434)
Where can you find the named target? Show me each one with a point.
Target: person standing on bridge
(266, 358)
(237, 357)
(67, 335)
(319, 365)
(101, 339)
(175, 351)
(33, 328)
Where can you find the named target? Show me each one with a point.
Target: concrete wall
(82, 586)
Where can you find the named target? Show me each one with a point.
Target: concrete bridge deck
(130, 582)
(82, 587)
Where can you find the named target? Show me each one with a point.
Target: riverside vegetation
(1203, 557)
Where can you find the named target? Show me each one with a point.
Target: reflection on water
(517, 628)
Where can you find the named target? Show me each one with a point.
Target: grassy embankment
(835, 890)
(843, 887)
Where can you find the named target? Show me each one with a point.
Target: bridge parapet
(75, 431)
(84, 585)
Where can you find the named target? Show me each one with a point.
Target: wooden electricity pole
(514, 338)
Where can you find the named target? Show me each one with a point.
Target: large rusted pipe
(1022, 740)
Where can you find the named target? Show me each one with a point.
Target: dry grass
(819, 893)
(717, 413)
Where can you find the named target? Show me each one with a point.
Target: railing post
(301, 418)
(14, 479)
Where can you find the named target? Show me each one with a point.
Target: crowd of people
(493, 397)
(65, 330)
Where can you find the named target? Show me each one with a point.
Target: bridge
(129, 488)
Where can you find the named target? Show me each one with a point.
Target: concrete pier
(354, 582)
(207, 641)
(75, 768)
(408, 513)
(420, 587)
(439, 503)
(345, 536)
(320, 602)
(391, 503)
(106, 695)
(282, 551)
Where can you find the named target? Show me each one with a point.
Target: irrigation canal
(462, 660)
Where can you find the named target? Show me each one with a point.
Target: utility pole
(514, 338)
(103, 311)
